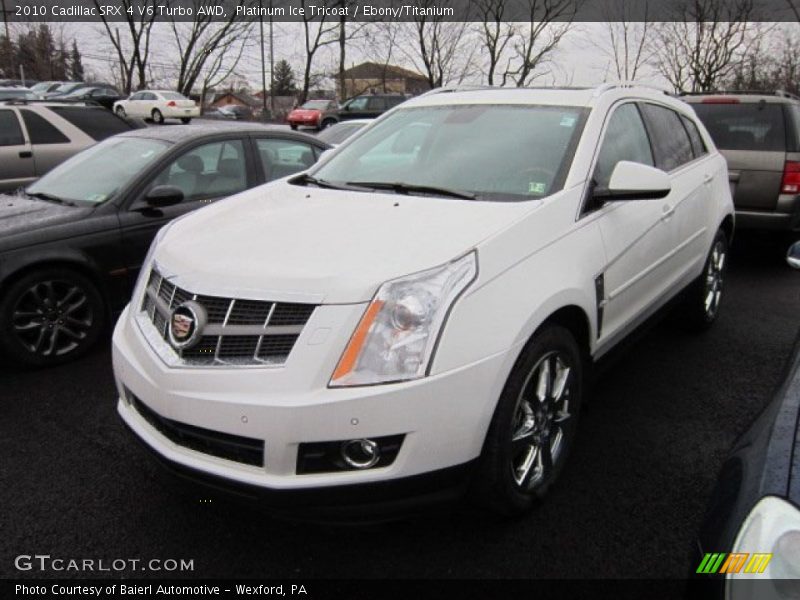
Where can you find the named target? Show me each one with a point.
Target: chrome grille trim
(237, 332)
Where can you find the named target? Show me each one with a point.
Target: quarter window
(698, 145)
(280, 158)
(41, 131)
(10, 131)
(670, 140)
(625, 139)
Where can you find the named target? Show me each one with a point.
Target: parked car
(415, 315)
(336, 134)
(105, 96)
(318, 114)
(759, 135)
(72, 243)
(232, 112)
(369, 106)
(158, 105)
(65, 88)
(17, 93)
(749, 543)
(37, 136)
(45, 87)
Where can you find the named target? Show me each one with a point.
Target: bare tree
(704, 43)
(516, 50)
(318, 31)
(203, 41)
(133, 50)
(626, 40)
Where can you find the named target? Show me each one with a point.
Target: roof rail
(780, 93)
(613, 85)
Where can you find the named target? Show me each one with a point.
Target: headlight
(395, 339)
(772, 527)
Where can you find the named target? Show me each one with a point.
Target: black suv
(368, 106)
(759, 135)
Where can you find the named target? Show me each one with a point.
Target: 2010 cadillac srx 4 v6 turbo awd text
(416, 314)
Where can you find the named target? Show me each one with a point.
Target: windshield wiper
(305, 179)
(50, 198)
(410, 188)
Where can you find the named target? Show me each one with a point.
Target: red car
(314, 113)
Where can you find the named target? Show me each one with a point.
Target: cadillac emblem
(186, 325)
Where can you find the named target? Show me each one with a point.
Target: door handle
(707, 178)
(667, 211)
(25, 154)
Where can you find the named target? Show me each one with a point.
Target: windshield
(494, 152)
(96, 174)
(316, 105)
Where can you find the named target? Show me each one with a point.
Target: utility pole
(271, 64)
(263, 64)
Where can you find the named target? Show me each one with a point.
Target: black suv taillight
(790, 184)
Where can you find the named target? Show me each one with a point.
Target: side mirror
(164, 195)
(793, 255)
(635, 181)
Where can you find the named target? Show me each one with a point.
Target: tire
(293, 126)
(158, 118)
(700, 306)
(536, 418)
(121, 112)
(50, 316)
(186, 120)
(327, 123)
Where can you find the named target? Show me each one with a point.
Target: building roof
(371, 70)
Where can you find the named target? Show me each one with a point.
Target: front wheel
(121, 112)
(534, 424)
(157, 116)
(186, 120)
(327, 123)
(293, 126)
(50, 316)
(700, 306)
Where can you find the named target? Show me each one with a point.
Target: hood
(20, 214)
(291, 243)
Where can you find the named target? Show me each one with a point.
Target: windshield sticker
(96, 197)
(568, 121)
(537, 187)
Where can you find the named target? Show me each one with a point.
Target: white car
(158, 105)
(416, 314)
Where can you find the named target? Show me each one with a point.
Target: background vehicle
(65, 88)
(45, 87)
(158, 105)
(105, 96)
(336, 134)
(755, 506)
(446, 279)
(37, 136)
(232, 112)
(17, 93)
(314, 113)
(368, 106)
(72, 244)
(759, 135)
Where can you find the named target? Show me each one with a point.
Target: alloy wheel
(52, 318)
(714, 279)
(540, 420)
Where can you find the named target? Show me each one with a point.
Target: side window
(41, 131)
(377, 103)
(670, 140)
(10, 131)
(280, 158)
(698, 145)
(358, 103)
(208, 171)
(97, 123)
(137, 96)
(625, 139)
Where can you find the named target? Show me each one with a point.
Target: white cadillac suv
(414, 317)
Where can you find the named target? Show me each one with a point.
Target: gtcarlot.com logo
(46, 562)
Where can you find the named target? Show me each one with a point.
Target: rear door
(752, 138)
(16, 157)
(50, 145)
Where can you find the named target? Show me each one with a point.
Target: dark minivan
(759, 135)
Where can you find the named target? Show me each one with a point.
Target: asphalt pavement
(662, 417)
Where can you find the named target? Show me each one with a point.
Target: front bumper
(443, 418)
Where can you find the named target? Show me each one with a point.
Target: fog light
(361, 454)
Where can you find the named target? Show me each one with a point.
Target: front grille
(237, 332)
(222, 445)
